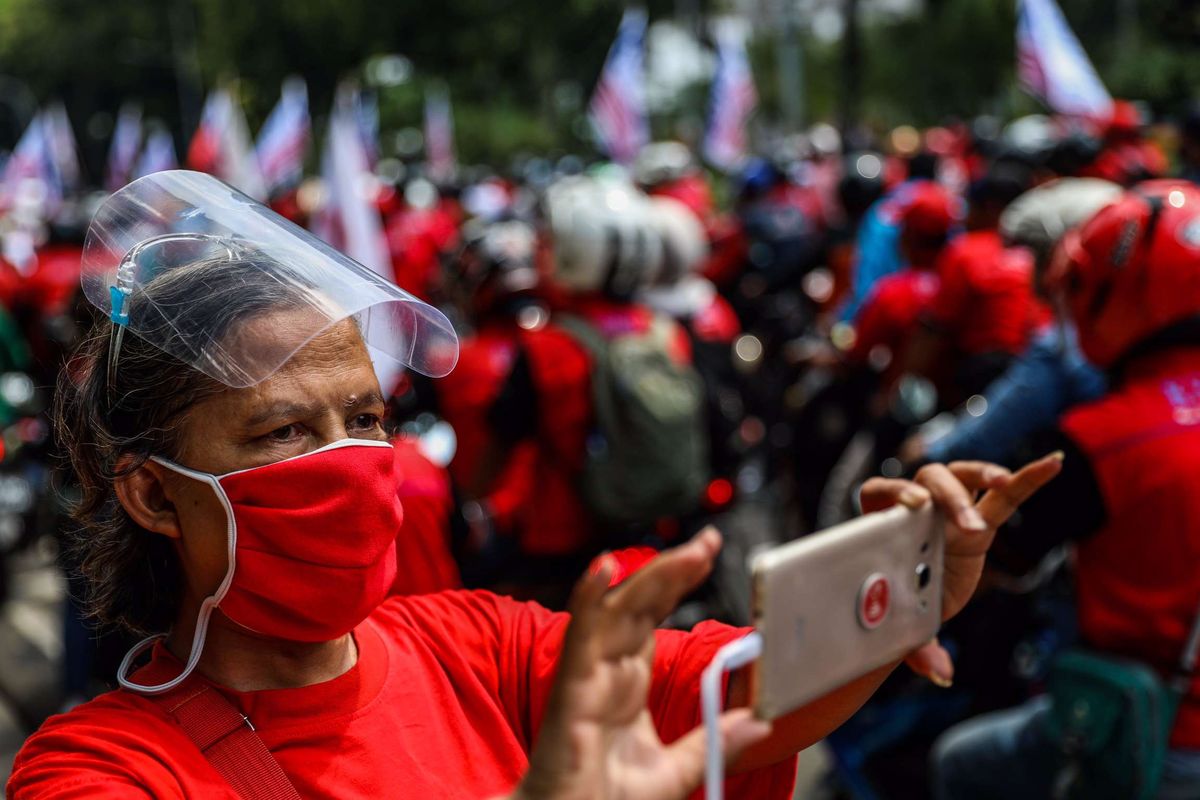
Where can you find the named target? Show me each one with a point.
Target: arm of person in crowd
(1028, 397)
(971, 527)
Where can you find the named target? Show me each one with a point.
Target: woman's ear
(143, 495)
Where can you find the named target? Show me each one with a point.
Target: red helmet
(930, 212)
(1124, 118)
(1133, 269)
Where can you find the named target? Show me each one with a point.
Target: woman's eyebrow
(371, 398)
(280, 410)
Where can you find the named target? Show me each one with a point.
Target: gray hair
(133, 577)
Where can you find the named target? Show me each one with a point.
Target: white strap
(193, 658)
(736, 654)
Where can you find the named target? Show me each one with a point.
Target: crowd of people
(642, 350)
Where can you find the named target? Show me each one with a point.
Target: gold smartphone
(837, 604)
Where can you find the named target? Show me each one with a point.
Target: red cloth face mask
(311, 546)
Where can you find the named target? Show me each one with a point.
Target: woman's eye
(284, 433)
(365, 422)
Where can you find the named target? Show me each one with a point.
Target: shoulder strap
(585, 333)
(228, 741)
(1191, 650)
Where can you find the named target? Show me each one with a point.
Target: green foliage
(956, 58)
(506, 63)
(520, 71)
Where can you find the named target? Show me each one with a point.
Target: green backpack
(1111, 718)
(649, 456)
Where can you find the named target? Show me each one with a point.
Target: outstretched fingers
(1001, 502)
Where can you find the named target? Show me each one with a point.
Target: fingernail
(914, 497)
(969, 520)
(939, 681)
(599, 564)
(1057, 455)
(995, 473)
(758, 728)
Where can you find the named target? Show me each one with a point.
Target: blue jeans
(1007, 754)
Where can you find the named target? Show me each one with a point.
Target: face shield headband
(191, 266)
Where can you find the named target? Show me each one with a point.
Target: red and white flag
(63, 150)
(731, 103)
(618, 106)
(45, 155)
(221, 146)
(439, 136)
(123, 150)
(158, 155)
(1052, 65)
(284, 139)
(348, 218)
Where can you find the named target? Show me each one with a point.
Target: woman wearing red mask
(239, 493)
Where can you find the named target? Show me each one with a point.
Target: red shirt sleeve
(112, 747)
(423, 546)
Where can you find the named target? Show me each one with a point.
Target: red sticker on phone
(873, 601)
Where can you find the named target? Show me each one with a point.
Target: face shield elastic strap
(206, 607)
(122, 290)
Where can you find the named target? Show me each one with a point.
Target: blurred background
(427, 141)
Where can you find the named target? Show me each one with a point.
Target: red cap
(931, 211)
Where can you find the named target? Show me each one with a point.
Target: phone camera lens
(924, 576)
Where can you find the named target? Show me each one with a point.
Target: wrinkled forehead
(281, 337)
(328, 367)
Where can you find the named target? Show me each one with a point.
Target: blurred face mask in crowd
(311, 545)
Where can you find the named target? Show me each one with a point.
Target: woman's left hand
(976, 498)
(598, 740)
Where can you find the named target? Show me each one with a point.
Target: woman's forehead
(333, 367)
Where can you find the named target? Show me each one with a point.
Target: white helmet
(684, 242)
(662, 162)
(1038, 218)
(602, 237)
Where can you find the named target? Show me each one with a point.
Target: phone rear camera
(924, 576)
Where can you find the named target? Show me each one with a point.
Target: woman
(239, 494)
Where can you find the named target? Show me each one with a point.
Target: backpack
(648, 455)
(1111, 720)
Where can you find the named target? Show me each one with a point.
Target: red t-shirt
(466, 395)
(985, 302)
(423, 546)
(444, 702)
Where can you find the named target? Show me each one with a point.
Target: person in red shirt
(890, 316)
(1126, 501)
(985, 311)
(423, 545)
(507, 455)
(1126, 156)
(418, 234)
(255, 526)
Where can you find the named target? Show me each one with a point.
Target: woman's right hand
(597, 740)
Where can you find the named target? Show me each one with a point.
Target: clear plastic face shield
(231, 288)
